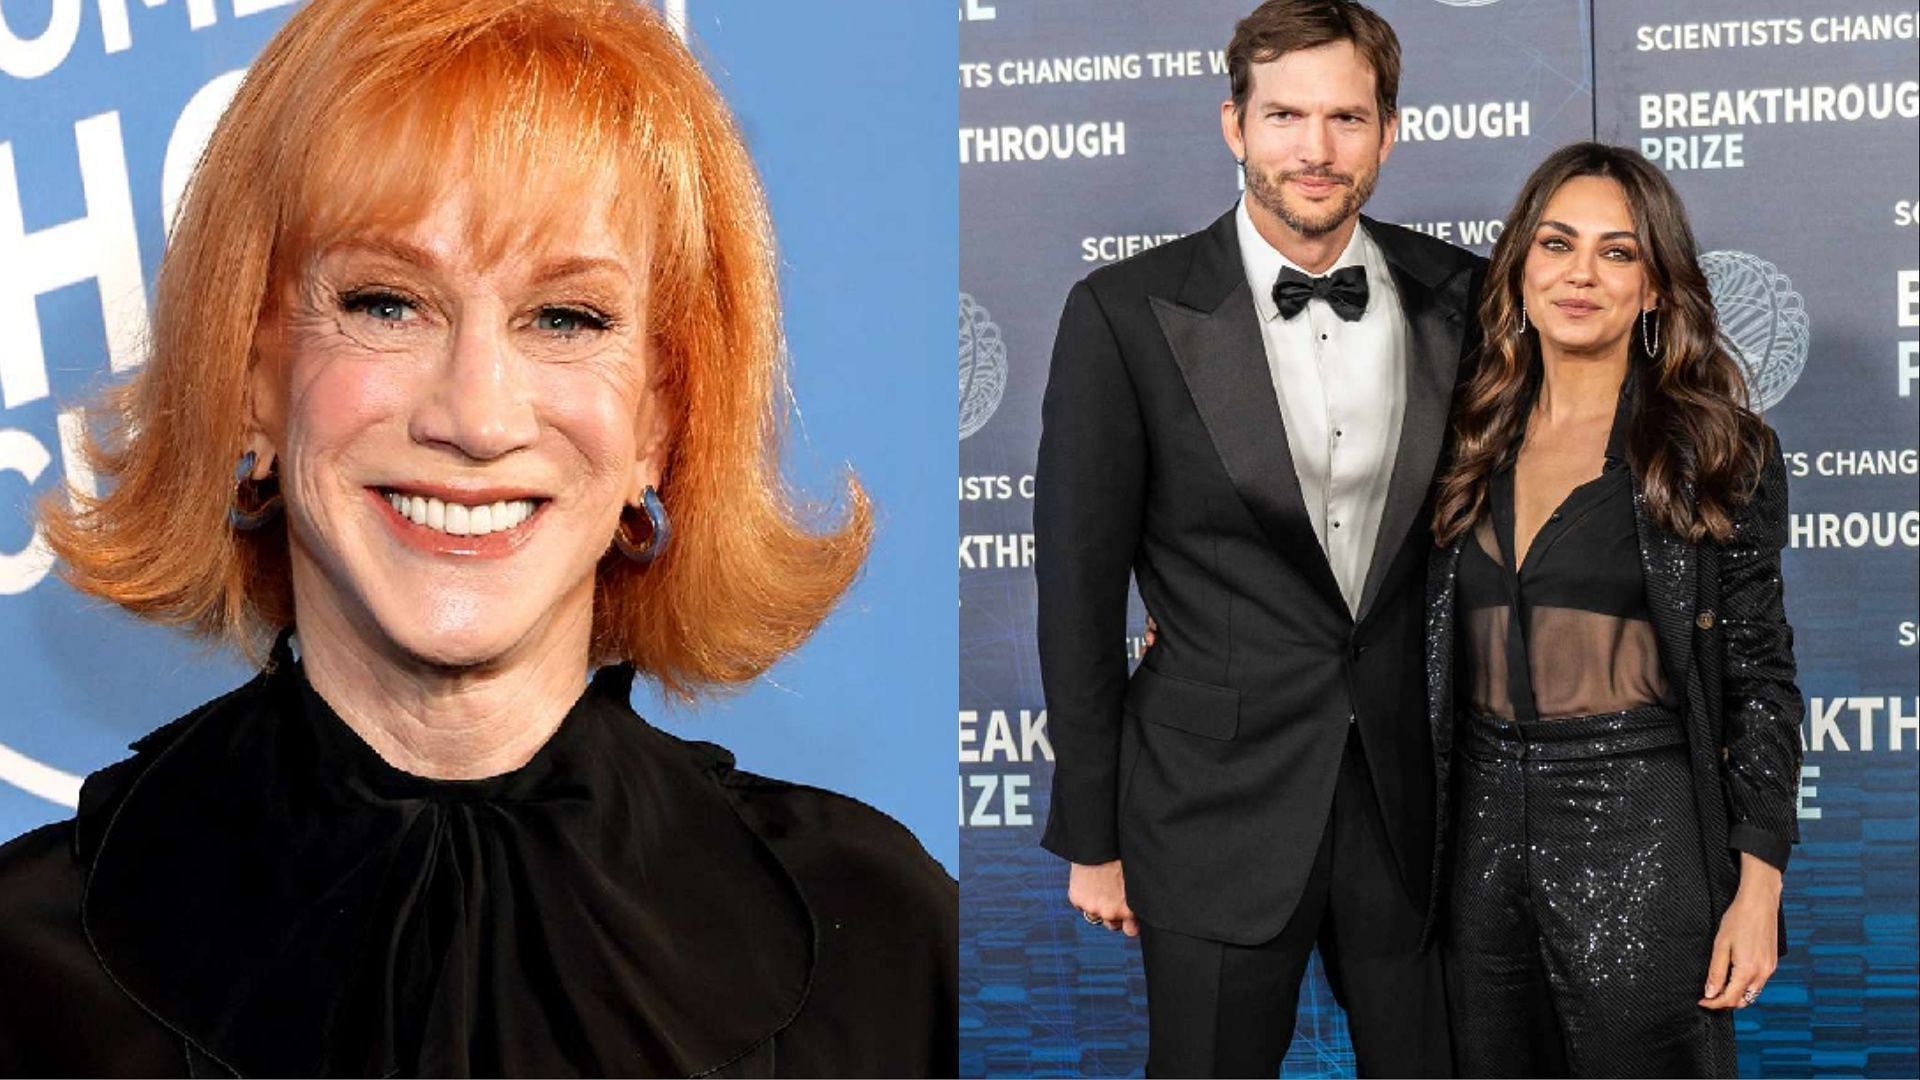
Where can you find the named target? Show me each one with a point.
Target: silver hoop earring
(1523, 318)
(1650, 338)
(253, 505)
(659, 529)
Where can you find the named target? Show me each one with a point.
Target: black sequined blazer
(1721, 625)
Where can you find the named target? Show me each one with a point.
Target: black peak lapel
(1435, 300)
(1213, 331)
(1216, 270)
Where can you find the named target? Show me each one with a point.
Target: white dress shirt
(1342, 388)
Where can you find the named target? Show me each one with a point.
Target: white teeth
(459, 520)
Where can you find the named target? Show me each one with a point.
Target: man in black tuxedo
(1249, 420)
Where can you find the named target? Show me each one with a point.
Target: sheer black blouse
(257, 892)
(1584, 641)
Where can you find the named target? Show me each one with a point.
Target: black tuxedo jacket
(1211, 770)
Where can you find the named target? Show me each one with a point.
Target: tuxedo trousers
(1219, 1009)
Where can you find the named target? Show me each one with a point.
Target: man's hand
(1100, 891)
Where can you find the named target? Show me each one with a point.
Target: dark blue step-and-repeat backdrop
(104, 107)
(1089, 131)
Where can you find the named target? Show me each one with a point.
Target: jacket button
(1705, 620)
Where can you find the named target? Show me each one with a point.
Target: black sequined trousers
(1579, 925)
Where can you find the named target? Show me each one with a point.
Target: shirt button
(1336, 524)
(1337, 433)
(1323, 337)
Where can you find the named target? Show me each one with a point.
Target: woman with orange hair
(463, 379)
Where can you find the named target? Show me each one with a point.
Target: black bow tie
(1344, 290)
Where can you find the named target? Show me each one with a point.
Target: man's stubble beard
(1269, 190)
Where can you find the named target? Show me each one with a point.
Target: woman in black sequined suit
(1611, 676)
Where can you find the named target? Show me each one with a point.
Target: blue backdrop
(1089, 130)
(845, 112)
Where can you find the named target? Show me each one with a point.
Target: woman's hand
(1747, 948)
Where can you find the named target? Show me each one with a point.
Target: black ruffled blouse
(256, 892)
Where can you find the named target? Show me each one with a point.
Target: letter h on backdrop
(100, 244)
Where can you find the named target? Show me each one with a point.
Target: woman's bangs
(533, 140)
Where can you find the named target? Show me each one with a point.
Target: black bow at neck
(1344, 290)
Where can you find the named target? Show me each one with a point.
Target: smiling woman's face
(1584, 281)
(457, 434)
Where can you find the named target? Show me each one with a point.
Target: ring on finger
(1092, 919)
(1750, 995)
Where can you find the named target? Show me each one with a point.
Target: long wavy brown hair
(1693, 443)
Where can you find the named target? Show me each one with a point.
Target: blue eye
(566, 321)
(384, 306)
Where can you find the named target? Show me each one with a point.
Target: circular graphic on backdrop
(1764, 318)
(983, 366)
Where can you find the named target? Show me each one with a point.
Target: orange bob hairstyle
(357, 115)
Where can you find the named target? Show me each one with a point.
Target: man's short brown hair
(1278, 27)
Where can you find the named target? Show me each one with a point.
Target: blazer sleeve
(1088, 499)
(1762, 698)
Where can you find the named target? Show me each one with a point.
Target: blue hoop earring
(659, 530)
(244, 517)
